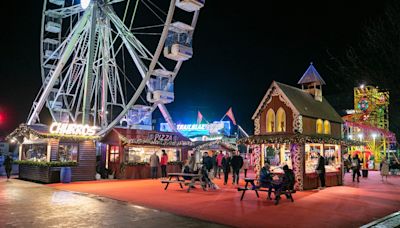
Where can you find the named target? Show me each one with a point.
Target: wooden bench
(194, 179)
(172, 181)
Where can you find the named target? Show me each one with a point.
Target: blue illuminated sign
(195, 130)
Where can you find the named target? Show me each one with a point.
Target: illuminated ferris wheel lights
(362, 86)
(374, 135)
(85, 3)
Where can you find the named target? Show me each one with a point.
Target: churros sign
(72, 129)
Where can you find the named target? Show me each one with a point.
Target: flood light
(85, 3)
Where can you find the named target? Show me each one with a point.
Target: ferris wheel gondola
(99, 57)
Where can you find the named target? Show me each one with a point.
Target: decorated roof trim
(297, 138)
(223, 143)
(268, 96)
(24, 130)
(125, 140)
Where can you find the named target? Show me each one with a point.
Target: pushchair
(207, 178)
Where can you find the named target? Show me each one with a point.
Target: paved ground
(26, 204)
(352, 205)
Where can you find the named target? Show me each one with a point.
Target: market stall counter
(44, 151)
(127, 151)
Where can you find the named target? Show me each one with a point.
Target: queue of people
(219, 162)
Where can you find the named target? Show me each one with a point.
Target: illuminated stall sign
(157, 137)
(72, 129)
(195, 130)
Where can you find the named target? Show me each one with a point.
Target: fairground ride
(369, 122)
(99, 58)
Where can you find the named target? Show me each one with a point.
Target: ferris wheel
(102, 58)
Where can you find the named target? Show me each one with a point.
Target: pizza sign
(163, 137)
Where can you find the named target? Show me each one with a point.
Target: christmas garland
(298, 139)
(125, 140)
(217, 142)
(46, 164)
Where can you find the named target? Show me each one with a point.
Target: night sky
(239, 48)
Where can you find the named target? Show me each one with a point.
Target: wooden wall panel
(86, 169)
(275, 104)
(54, 149)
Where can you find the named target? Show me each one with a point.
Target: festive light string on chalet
(26, 131)
(299, 139)
(125, 140)
(216, 142)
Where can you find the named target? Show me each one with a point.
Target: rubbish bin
(65, 175)
(365, 173)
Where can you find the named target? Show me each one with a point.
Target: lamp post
(376, 154)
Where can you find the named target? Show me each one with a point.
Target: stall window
(280, 120)
(114, 153)
(332, 158)
(311, 152)
(277, 155)
(68, 152)
(34, 152)
(142, 154)
(327, 127)
(270, 121)
(319, 126)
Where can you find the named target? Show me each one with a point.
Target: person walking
(384, 168)
(220, 156)
(246, 164)
(207, 161)
(214, 162)
(163, 163)
(356, 166)
(192, 162)
(320, 170)
(154, 162)
(8, 166)
(237, 164)
(226, 167)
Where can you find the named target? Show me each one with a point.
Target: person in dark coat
(236, 163)
(356, 166)
(207, 161)
(320, 170)
(8, 166)
(226, 167)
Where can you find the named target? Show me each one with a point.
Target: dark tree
(375, 60)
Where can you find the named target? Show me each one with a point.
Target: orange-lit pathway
(351, 205)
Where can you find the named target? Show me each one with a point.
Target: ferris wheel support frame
(145, 75)
(88, 78)
(72, 40)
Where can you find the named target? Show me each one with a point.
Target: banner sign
(72, 129)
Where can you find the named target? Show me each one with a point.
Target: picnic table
(179, 178)
(251, 181)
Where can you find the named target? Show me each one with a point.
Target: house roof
(306, 105)
(146, 137)
(311, 75)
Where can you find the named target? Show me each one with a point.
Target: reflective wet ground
(26, 204)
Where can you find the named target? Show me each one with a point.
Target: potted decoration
(122, 170)
(110, 173)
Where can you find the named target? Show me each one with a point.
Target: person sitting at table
(287, 183)
(186, 169)
(265, 179)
